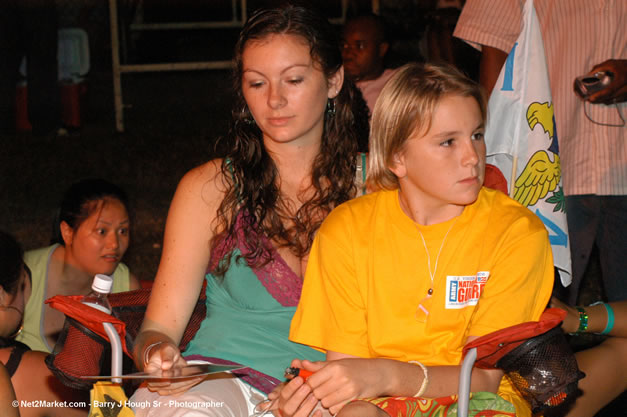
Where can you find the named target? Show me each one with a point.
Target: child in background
(364, 48)
(400, 280)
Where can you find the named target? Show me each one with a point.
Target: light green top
(38, 260)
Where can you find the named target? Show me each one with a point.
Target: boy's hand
(296, 398)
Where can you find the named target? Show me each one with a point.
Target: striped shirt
(578, 34)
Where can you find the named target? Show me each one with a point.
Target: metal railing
(239, 16)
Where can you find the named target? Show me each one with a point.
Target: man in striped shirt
(580, 37)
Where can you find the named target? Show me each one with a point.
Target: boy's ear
(335, 83)
(67, 233)
(397, 165)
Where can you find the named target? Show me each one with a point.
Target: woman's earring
(17, 332)
(331, 107)
(246, 116)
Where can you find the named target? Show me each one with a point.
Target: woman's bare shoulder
(206, 182)
(34, 381)
(209, 172)
(33, 363)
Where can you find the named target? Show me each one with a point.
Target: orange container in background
(72, 105)
(73, 60)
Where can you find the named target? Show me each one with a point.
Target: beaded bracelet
(583, 320)
(425, 380)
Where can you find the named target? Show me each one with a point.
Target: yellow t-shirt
(368, 272)
(38, 261)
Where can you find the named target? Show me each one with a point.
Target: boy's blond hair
(406, 104)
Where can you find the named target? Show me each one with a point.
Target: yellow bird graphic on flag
(541, 175)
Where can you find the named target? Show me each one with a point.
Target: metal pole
(376, 7)
(465, 375)
(176, 66)
(115, 61)
(116, 352)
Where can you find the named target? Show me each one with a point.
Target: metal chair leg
(465, 376)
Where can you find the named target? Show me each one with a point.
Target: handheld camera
(590, 84)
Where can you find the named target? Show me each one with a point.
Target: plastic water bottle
(98, 297)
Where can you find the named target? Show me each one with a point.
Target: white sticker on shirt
(464, 291)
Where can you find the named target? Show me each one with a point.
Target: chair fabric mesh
(543, 369)
(78, 352)
(81, 352)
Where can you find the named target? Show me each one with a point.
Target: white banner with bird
(522, 141)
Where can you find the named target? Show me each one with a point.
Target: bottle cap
(102, 283)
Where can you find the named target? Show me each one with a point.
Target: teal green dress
(248, 316)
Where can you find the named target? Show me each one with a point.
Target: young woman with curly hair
(245, 223)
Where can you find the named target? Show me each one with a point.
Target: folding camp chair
(84, 346)
(535, 356)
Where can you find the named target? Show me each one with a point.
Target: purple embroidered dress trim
(276, 276)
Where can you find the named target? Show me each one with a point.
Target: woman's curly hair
(249, 171)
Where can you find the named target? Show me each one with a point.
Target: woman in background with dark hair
(30, 378)
(245, 223)
(90, 236)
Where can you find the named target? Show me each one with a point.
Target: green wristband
(583, 320)
(610, 319)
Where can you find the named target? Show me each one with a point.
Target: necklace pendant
(430, 292)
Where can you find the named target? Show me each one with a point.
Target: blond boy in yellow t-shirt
(413, 272)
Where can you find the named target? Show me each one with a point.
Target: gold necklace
(422, 311)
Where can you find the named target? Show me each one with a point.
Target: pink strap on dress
(276, 276)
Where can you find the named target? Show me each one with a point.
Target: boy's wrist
(425, 379)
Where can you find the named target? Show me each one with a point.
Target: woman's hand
(166, 357)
